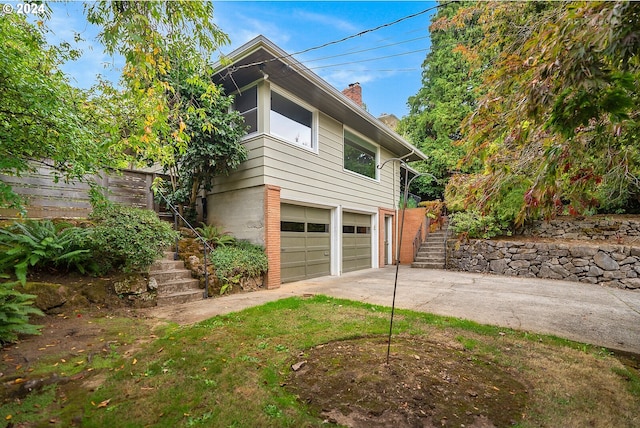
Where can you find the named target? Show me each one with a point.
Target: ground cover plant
(237, 371)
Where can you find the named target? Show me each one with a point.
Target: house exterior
(311, 191)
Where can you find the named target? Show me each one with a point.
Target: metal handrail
(417, 242)
(446, 236)
(176, 215)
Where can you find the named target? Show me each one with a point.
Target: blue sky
(387, 62)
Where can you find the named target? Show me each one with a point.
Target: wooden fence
(47, 199)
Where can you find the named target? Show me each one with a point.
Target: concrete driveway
(587, 313)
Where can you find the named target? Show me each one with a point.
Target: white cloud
(328, 20)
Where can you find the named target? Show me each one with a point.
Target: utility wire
(366, 60)
(345, 38)
(370, 30)
(365, 50)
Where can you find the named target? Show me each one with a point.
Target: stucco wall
(240, 211)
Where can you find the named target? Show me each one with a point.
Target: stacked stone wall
(618, 229)
(606, 264)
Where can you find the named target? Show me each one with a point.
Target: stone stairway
(431, 254)
(174, 281)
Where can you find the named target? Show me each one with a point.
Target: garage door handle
(326, 253)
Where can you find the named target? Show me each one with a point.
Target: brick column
(413, 219)
(272, 234)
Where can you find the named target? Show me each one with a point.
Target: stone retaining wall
(618, 229)
(610, 265)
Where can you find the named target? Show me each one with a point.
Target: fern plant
(40, 243)
(15, 310)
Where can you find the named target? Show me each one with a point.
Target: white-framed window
(360, 156)
(246, 103)
(291, 121)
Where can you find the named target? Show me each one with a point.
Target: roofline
(263, 42)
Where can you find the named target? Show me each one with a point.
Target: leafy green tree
(153, 37)
(450, 86)
(212, 131)
(557, 129)
(43, 120)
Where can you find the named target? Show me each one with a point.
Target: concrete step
(175, 283)
(427, 265)
(164, 265)
(182, 297)
(436, 258)
(432, 245)
(178, 286)
(163, 276)
(169, 255)
(431, 250)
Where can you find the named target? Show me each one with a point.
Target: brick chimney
(354, 92)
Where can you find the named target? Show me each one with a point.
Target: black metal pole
(405, 195)
(395, 282)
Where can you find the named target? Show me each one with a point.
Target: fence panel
(44, 198)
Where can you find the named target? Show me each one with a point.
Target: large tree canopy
(213, 131)
(448, 94)
(154, 37)
(144, 119)
(557, 127)
(43, 120)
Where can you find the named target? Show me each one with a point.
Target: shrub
(15, 309)
(242, 260)
(42, 243)
(215, 236)
(411, 202)
(472, 224)
(127, 238)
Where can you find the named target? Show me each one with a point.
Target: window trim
(375, 146)
(256, 108)
(314, 120)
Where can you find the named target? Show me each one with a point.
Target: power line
(367, 60)
(345, 38)
(365, 50)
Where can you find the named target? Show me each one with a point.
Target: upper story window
(247, 105)
(360, 156)
(290, 121)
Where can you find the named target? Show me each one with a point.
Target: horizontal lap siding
(321, 178)
(250, 173)
(312, 177)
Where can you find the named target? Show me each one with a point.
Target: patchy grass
(235, 371)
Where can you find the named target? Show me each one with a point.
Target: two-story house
(311, 191)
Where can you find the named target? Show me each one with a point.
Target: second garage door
(356, 241)
(305, 242)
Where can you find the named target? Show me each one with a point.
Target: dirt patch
(426, 383)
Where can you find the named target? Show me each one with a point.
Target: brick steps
(175, 284)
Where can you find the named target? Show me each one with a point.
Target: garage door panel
(305, 242)
(356, 241)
